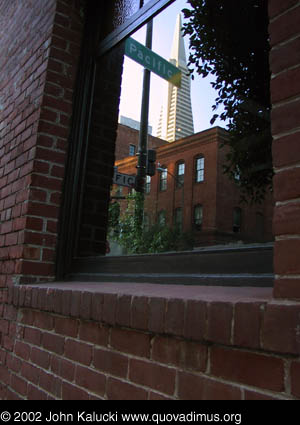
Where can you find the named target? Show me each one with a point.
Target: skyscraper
(176, 119)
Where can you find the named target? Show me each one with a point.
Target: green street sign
(153, 62)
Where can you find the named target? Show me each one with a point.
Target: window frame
(199, 170)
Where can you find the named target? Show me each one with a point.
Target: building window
(178, 219)
(198, 216)
(237, 220)
(132, 150)
(199, 176)
(180, 169)
(163, 179)
(161, 218)
(148, 185)
(146, 222)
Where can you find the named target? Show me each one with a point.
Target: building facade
(195, 195)
(63, 338)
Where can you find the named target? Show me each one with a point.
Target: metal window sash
(136, 21)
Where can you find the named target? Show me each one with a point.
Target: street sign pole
(143, 135)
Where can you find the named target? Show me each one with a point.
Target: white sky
(203, 94)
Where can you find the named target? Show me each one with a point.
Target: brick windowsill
(244, 317)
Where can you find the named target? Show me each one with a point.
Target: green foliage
(229, 39)
(128, 231)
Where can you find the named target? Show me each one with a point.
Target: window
(199, 176)
(163, 179)
(198, 216)
(237, 220)
(178, 219)
(161, 218)
(180, 168)
(132, 149)
(148, 185)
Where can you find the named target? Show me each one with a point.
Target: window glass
(198, 216)
(180, 174)
(188, 130)
(200, 169)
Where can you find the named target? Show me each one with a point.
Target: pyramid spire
(178, 115)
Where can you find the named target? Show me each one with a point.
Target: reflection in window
(132, 149)
(163, 179)
(180, 174)
(148, 185)
(260, 224)
(199, 169)
(198, 216)
(178, 219)
(237, 220)
(161, 218)
(146, 222)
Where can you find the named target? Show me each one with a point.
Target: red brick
(249, 368)
(40, 357)
(43, 320)
(31, 373)
(245, 335)
(195, 321)
(283, 191)
(70, 392)
(196, 387)
(123, 310)
(63, 368)
(109, 308)
(285, 57)
(287, 288)
(97, 307)
(276, 7)
(54, 343)
(254, 395)
(139, 313)
(110, 362)
(295, 378)
(174, 319)
(22, 350)
(19, 385)
(131, 342)
(86, 305)
(157, 311)
(66, 326)
(286, 219)
(151, 375)
(286, 256)
(286, 150)
(79, 352)
(91, 380)
(119, 390)
(35, 393)
(168, 350)
(33, 336)
(285, 85)
(94, 333)
(280, 330)
(219, 325)
(285, 26)
(50, 383)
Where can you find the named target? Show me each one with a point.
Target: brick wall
(39, 54)
(109, 343)
(285, 60)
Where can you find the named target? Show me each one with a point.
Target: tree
(229, 39)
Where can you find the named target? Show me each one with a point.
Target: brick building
(194, 193)
(63, 337)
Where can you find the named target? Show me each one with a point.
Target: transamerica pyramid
(176, 121)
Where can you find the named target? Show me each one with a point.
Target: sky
(203, 95)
